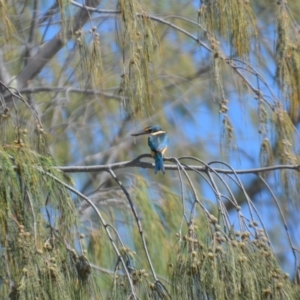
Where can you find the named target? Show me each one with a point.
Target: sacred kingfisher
(158, 142)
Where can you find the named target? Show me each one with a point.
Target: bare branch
(137, 163)
(68, 90)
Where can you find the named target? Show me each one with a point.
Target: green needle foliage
(232, 19)
(77, 78)
(39, 261)
(228, 267)
(38, 226)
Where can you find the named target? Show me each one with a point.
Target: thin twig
(34, 219)
(68, 89)
(105, 225)
(136, 219)
(283, 220)
(179, 166)
(20, 97)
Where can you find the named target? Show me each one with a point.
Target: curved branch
(138, 222)
(105, 225)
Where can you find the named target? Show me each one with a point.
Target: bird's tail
(159, 163)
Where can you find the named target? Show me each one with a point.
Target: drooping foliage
(221, 77)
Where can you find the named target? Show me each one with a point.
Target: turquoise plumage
(158, 142)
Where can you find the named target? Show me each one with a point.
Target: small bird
(158, 142)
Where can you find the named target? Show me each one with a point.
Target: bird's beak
(139, 133)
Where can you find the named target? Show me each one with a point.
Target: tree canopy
(82, 213)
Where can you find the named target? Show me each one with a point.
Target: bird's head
(148, 130)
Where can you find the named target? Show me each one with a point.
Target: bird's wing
(159, 142)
